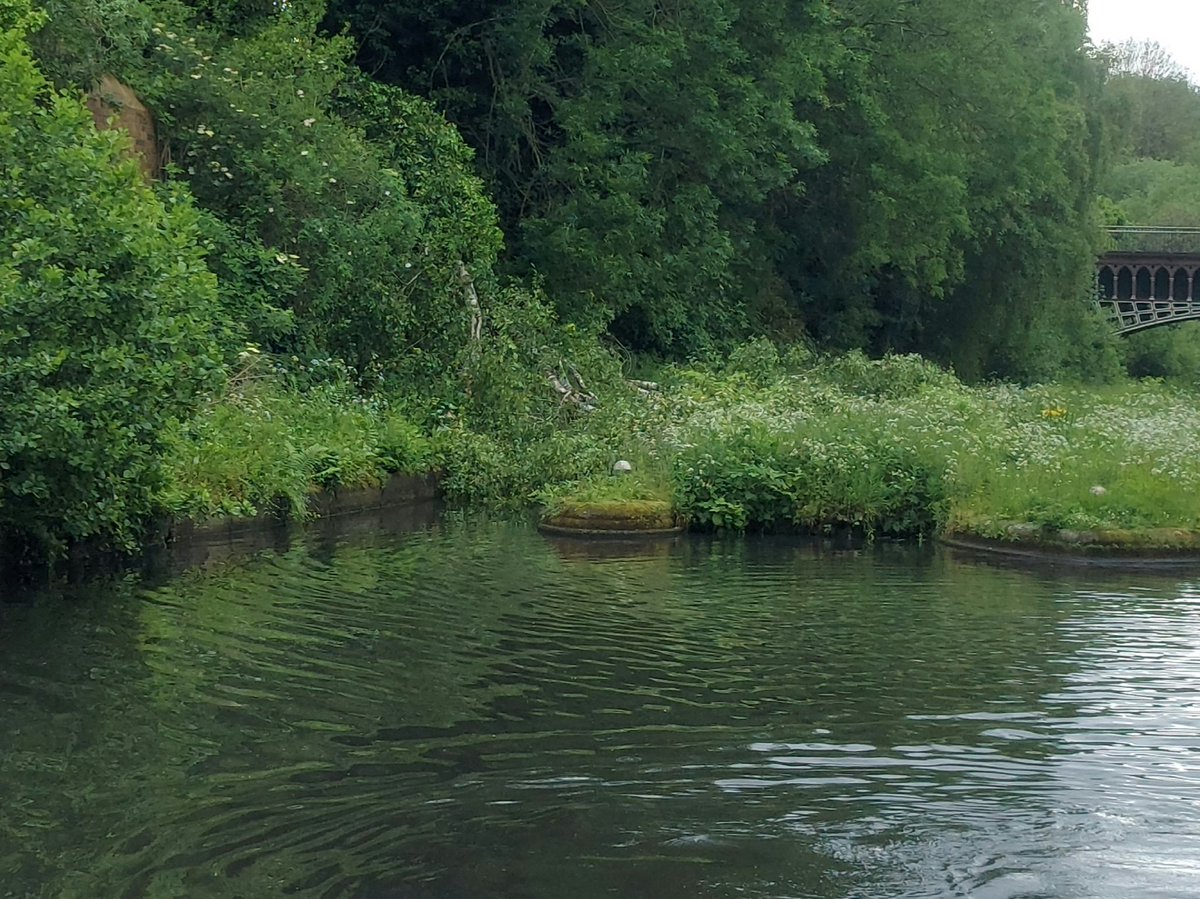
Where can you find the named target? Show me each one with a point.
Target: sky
(1173, 23)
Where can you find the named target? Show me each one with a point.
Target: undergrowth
(891, 447)
(899, 446)
(268, 447)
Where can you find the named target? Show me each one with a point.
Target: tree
(1143, 59)
(961, 174)
(903, 176)
(632, 146)
(106, 314)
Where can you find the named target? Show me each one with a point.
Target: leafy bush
(458, 221)
(758, 359)
(354, 206)
(255, 285)
(1166, 352)
(106, 312)
(891, 377)
(249, 125)
(486, 470)
(811, 475)
(89, 38)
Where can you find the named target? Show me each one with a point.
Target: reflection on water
(474, 710)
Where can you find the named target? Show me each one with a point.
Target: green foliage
(874, 176)
(954, 215)
(266, 447)
(246, 16)
(649, 480)
(1171, 352)
(758, 359)
(249, 122)
(812, 454)
(633, 147)
(1156, 191)
(766, 480)
(893, 377)
(508, 373)
(18, 16)
(1089, 353)
(106, 334)
(458, 222)
(89, 38)
(513, 436)
(914, 178)
(896, 446)
(1153, 116)
(338, 210)
(1049, 447)
(486, 470)
(255, 285)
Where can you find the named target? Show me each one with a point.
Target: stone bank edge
(1112, 545)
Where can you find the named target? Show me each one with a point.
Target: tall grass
(269, 446)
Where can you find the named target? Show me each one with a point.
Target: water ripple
(476, 711)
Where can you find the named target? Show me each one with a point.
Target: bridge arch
(1150, 277)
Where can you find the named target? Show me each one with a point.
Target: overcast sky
(1173, 23)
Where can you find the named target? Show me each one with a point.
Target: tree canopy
(869, 173)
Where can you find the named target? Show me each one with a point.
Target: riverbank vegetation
(359, 238)
(900, 447)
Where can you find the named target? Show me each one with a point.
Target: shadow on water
(453, 707)
(208, 548)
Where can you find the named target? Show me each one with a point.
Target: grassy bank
(893, 447)
(900, 447)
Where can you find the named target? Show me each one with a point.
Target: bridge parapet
(1153, 240)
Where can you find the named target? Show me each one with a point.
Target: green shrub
(89, 38)
(891, 377)
(811, 477)
(256, 286)
(1169, 352)
(343, 209)
(498, 472)
(458, 222)
(106, 313)
(266, 447)
(758, 359)
(249, 123)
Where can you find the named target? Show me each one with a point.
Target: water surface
(474, 710)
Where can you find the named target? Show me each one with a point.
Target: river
(474, 710)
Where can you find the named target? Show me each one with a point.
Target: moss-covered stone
(613, 516)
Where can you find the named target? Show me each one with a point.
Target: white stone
(621, 467)
(1097, 491)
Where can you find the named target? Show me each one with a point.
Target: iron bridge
(1149, 277)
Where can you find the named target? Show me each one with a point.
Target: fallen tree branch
(643, 387)
(467, 283)
(575, 393)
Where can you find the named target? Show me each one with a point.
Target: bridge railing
(1148, 239)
